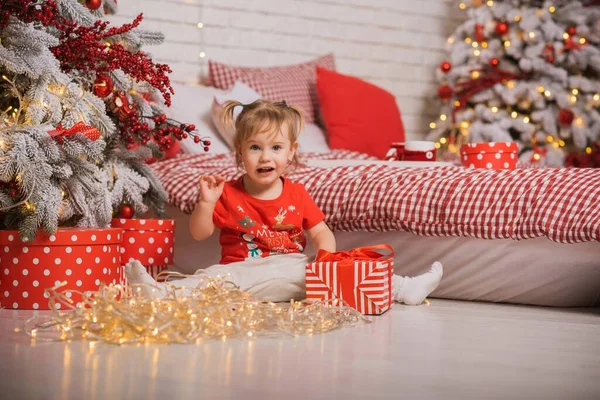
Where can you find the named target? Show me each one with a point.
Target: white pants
(276, 278)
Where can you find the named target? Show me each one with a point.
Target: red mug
(414, 150)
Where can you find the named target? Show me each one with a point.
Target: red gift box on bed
(151, 241)
(361, 277)
(83, 258)
(492, 155)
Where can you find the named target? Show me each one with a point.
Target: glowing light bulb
(514, 114)
(550, 139)
(477, 53)
(494, 109)
(202, 54)
(475, 74)
(468, 40)
(451, 39)
(490, 3)
(462, 6)
(507, 44)
(517, 18)
(596, 97)
(526, 120)
(200, 25)
(475, 44)
(443, 117)
(437, 145)
(582, 40)
(432, 125)
(565, 35)
(588, 150)
(510, 84)
(443, 140)
(575, 92)
(531, 35)
(536, 157)
(551, 9)
(547, 93)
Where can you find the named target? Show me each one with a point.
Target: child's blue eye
(254, 147)
(277, 147)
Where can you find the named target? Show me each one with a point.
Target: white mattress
(535, 271)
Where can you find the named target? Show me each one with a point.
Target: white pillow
(312, 139)
(191, 105)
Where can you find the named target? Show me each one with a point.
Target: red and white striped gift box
(361, 277)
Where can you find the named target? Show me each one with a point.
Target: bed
(529, 236)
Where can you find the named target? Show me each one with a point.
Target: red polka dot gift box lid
(81, 257)
(151, 241)
(490, 155)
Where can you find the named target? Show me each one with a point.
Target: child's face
(267, 154)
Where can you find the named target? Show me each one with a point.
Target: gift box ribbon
(344, 271)
(88, 131)
(360, 253)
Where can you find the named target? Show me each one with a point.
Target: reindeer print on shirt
(279, 225)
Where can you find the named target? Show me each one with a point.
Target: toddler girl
(263, 217)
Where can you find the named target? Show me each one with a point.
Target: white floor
(448, 350)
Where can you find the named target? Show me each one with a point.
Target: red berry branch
(86, 49)
(28, 11)
(135, 130)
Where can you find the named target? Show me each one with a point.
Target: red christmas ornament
(445, 66)
(549, 53)
(494, 62)
(572, 31)
(126, 211)
(93, 4)
(565, 117)
(445, 92)
(103, 86)
(479, 33)
(501, 28)
(121, 106)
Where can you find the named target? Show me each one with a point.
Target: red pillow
(358, 116)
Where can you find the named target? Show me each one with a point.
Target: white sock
(413, 291)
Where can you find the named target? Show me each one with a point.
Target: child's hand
(211, 188)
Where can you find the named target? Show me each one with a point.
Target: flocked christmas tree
(81, 110)
(525, 71)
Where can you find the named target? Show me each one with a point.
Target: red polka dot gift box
(81, 257)
(492, 155)
(151, 241)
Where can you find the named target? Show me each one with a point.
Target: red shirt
(254, 228)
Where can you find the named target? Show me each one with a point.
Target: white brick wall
(395, 44)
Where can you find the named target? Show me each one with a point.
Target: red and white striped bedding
(561, 204)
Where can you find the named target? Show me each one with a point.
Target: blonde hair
(261, 116)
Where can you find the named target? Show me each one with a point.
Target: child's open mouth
(265, 171)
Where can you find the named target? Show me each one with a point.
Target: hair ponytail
(227, 118)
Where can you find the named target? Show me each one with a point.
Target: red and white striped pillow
(293, 83)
